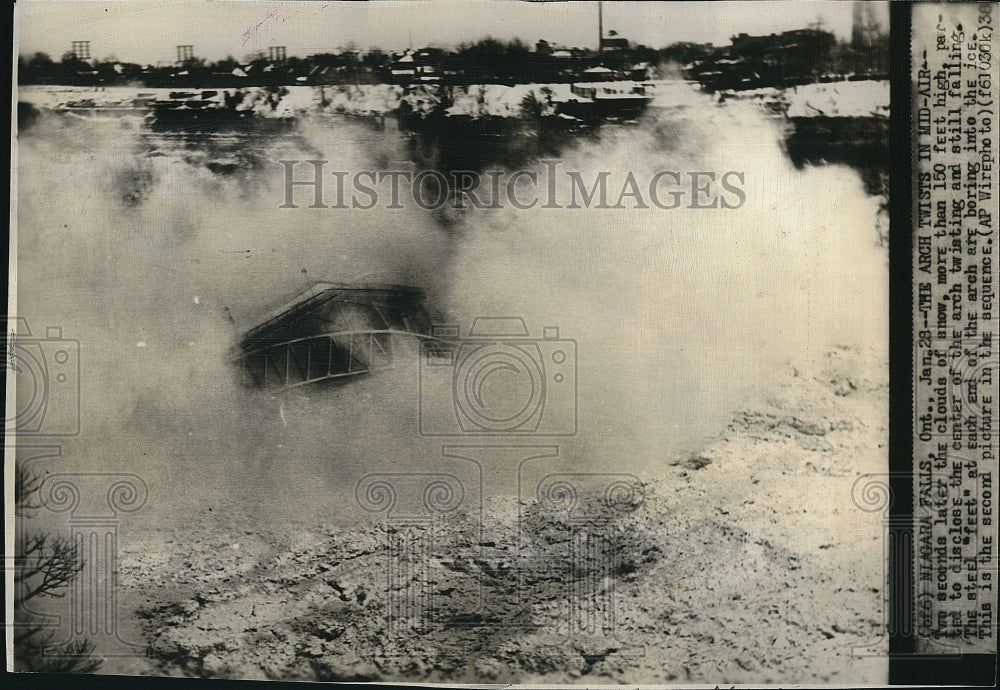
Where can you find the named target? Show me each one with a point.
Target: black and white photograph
(490, 341)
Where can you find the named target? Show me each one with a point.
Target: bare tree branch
(26, 486)
(45, 565)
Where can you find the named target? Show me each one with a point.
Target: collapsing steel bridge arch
(332, 331)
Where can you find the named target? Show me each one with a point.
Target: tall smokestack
(600, 27)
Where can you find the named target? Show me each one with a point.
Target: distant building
(336, 67)
(786, 59)
(417, 66)
(614, 43)
(552, 62)
(404, 68)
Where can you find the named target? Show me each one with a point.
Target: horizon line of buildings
(513, 61)
(777, 59)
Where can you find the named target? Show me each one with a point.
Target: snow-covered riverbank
(722, 555)
(838, 99)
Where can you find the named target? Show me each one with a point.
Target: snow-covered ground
(839, 99)
(833, 99)
(836, 99)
